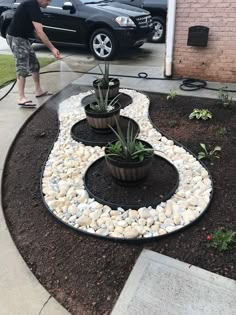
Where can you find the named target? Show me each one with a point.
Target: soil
(82, 132)
(86, 274)
(101, 186)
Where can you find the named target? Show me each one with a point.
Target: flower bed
(67, 199)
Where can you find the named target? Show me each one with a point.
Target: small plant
(172, 123)
(221, 239)
(104, 81)
(103, 104)
(221, 131)
(208, 155)
(200, 114)
(172, 94)
(128, 147)
(224, 98)
(128, 159)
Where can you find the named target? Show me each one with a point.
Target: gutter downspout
(170, 36)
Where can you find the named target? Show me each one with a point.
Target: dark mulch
(82, 132)
(162, 175)
(87, 274)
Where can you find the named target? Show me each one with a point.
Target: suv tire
(138, 45)
(160, 29)
(103, 44)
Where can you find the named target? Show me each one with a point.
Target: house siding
(217, 61)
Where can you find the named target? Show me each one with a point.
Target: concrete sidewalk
(162, 285)
(20, 292)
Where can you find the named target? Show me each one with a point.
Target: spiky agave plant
(104, 82)
(103, 103)
(128, 147)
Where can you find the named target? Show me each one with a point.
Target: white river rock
(66, 197)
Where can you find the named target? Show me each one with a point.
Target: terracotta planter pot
(128, 171)
(113, 88)
(100, 121)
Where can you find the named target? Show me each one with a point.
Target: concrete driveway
(150, 55)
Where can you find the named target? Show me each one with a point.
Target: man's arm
(43, 37)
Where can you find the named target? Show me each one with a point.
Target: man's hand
(56, 53)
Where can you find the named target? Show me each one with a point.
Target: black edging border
(126, 207)
(25, 123)
(79, 231)
(130, 240)
(129, 98)
(9, 152)
(95, 143)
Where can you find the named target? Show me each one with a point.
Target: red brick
(217, 61)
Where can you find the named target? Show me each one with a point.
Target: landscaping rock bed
(86, 274)
(66, 197)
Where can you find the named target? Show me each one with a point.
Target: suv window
(53, 3)
(91, 1)
(56, 3)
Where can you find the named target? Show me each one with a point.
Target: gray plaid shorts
(26, 60)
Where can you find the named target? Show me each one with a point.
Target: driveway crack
(44, 305)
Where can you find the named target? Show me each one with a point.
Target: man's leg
(36, 78)
(38, 90)
(20, 50)
(34, 67)
(21, 89)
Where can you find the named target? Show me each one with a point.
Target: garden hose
(189, 84)
(192, 84)
(9, 89)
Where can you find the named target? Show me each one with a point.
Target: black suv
(105, 26)
(158, 10)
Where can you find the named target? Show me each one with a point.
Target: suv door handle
(47, 14)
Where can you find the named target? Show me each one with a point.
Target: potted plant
(128, 158)
(103, 112)
(106, 82)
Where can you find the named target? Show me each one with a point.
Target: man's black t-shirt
(21, 24)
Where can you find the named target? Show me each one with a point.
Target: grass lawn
(8, 71)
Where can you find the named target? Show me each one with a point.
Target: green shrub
(203, 114)
(221, 239)
(208, 154)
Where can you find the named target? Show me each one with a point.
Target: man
(27, 21)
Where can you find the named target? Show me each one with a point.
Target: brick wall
(217, 61)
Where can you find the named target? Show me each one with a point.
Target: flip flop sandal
(27, 104)
(46, 93)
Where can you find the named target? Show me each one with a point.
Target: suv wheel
(103, 44)
(159, 25)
